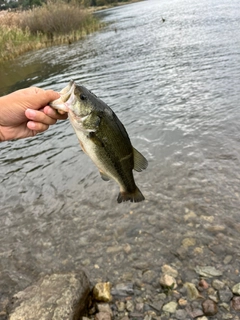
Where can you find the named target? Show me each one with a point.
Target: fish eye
(83, 97)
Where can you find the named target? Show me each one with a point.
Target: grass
(43, 26)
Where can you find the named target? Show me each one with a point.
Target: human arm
(24, 113)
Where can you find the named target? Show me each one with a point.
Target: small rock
(102, 316)
(208, 271)
(192, 291)
(188, 242)
(170, 307)
(236, 289)
(127, 248)
(114, 249)
(182, 302)
(189, 215)
(123, 289)
(101, 292)
(236, 303)
(203, 285)
(227, 316)
(120, 306)
(213, 298)
(130, 306)
(168, 281)
(139, 306)
(225, 295)
(209, 307)
(148, 276)
(166, 269)
(157, 305)
(194, 312)
(227, 259)
(160, 296)
(181, 314)
(217, 284)
(202, 318)
(225, 306)
(104, 307)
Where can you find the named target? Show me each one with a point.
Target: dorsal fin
(140, 162)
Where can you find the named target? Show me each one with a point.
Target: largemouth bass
(103, 138)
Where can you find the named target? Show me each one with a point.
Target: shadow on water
(175, 86)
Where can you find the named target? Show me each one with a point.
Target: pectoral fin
(140, 162)
(92, 135)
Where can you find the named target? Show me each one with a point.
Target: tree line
(28, 4)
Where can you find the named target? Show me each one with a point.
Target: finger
(54, 113)
(46, 95)
(38, 116)
(37, 126)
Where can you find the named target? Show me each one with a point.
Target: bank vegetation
(46, 25)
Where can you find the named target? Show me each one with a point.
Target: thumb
(50, 95)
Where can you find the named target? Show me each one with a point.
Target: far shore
(23, 31)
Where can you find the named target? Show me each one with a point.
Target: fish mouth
(66, 98)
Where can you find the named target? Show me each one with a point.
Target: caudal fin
(135, 196)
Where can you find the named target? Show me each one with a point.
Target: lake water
(175, 86)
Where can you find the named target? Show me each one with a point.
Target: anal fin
(104, 176)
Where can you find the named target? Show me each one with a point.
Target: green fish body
(104, 139)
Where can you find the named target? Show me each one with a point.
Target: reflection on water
(175, 86)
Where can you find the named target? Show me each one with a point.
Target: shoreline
(16, 41)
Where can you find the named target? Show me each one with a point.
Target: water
(175, 86)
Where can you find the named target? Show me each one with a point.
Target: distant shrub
(54, 18)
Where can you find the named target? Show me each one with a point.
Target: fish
(103, 137)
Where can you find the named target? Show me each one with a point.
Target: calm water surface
(175, 86)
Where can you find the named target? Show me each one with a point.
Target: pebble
(127, 248)
(148, 276)
(227, 316)
(225, 306)
(227, 259)
(236, 303)
(209, 307)
(225, 295)
(208, 271)
(130, 306)
(102, 316)
(123, 289)
(166, 269)
(192, 291)
(182, 302)
(203, 285)
(188, 242)
(120, 305)
(101, 292)
(181, 314)
(104, 307)
(168, 281)
(217, 284)
(236, 289)
(170, 307)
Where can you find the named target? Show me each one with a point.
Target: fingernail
(31, 113)
(31, 125)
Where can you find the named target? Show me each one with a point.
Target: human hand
(24, 113)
